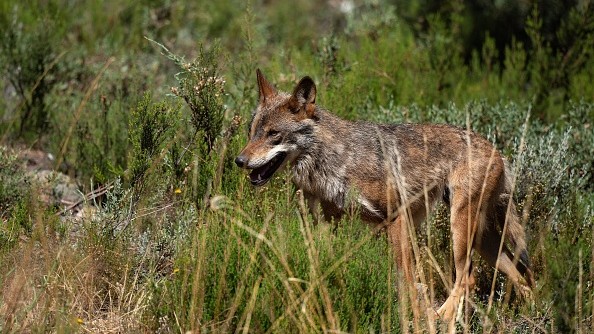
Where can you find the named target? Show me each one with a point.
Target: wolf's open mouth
(262, 174)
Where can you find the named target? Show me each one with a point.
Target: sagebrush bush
(202, 88)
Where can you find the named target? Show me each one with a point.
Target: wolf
(394, 174)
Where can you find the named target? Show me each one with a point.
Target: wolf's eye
(275, 136)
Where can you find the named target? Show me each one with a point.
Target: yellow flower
(176, 270)
(80, 321)
(177, 191)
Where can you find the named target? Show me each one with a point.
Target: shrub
(151, 128)
(27, 56)
(14, 199)
(202, 88)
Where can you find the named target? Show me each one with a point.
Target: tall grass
(251, 260)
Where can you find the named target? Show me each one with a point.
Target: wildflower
(177, 191)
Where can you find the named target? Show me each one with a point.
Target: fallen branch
(88, 197)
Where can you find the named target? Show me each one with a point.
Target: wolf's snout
(240, 161)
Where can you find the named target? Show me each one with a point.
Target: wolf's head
(281, 129)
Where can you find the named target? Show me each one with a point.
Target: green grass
(182, 242)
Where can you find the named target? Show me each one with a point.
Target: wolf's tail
(514, 231)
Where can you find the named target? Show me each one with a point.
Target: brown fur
(395, 174)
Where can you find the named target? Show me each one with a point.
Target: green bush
(150, 131)
(27, 58)
(15, 200)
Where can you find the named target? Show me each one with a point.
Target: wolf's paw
(524, 291)
(451, 308)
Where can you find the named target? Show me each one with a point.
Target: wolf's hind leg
(488, 248)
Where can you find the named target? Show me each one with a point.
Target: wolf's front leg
(462, 241)
(399, 242)
(313, 204)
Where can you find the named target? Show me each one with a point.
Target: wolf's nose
(240, 161)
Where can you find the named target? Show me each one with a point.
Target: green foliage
(202, 88)
(14, 200)
(151, 128)
(100, 140)
(12, 182)
(27, 56)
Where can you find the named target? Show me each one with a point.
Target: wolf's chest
(323, 183)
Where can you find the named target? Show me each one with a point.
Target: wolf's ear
(265, 89)
(304, 96)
